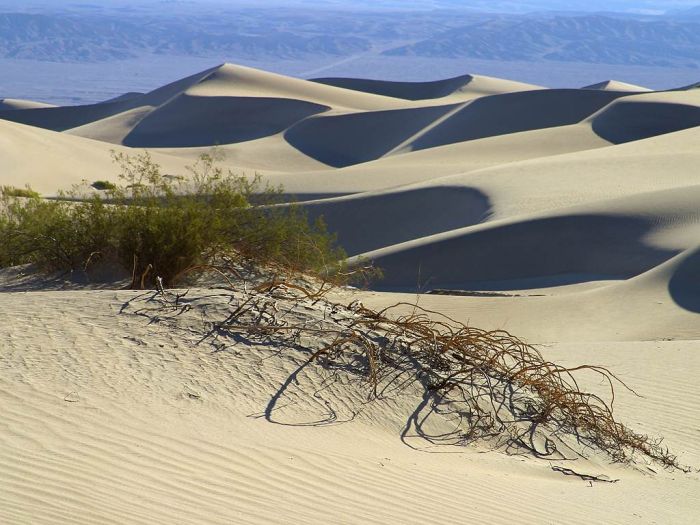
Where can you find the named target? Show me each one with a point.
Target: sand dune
(49, 161)
(231, 80)
(8, 104)
(66, 117)
(205, 109)
(660, 304)
(397, 216)
(616, 85)
(463, 88)
(124, 96)
(612, 240)
(206, 121)
(648, 115)
(326, 138)
(567, 217)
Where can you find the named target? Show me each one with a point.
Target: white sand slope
(49, 161)
(108, 418)
(616, 85)
(568, 217)
(7, 104)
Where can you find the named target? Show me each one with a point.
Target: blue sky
(504, 6)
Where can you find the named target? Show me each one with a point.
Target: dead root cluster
(494, 386)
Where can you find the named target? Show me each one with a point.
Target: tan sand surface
(108, 419)
(569, 218)
(13, 103)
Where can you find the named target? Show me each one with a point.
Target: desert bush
(103, 185)
(150, 225)
(11, 191)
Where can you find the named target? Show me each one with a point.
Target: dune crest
(616, 85)
(459, 88)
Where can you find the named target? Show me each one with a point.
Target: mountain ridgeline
(265, 34)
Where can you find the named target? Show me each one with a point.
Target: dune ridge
(463, 87)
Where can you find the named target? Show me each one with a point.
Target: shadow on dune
(62, 118)
(189, 121)
(67, 117)
(344, 140)
(404, 90)
(368, 222)
(530, 254)
(516, 112)
(684, 285)
(627, 121)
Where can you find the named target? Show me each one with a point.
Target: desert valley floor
(568, 217)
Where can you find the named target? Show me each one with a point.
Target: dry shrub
(495, 386)
(152, 224)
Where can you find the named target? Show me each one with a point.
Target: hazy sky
(502, 5)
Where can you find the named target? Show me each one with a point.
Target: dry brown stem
(496, 386)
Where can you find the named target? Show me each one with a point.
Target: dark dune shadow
(684, 286)
(344, 140)
(535, 253)
(206, 121)
(627, 121)
(517, 112)
(369, 222)
(404, 90)
(62, 118)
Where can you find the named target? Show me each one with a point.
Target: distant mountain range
(60, 38)
(269, 34)
(593, 39)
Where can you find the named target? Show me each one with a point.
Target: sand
(567, 217)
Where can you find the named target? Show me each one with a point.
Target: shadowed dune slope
(684, 283)
(533, 253)
(405, 90)
(660, 304)
(62, 118)
(643, 116)
(189, 121)
(369, 221)
(615, 239)
(465, 86)
(124, 96)
(343, 140)
(354, 138)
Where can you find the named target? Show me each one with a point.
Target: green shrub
(149, 225)
(103, 185)
(11, 191)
